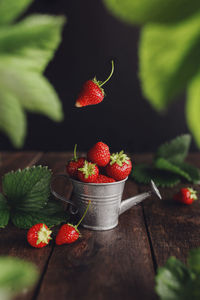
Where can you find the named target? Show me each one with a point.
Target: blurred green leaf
(15, 276)
(169, 58)
(193, 108)
(25, 50)
(12, 117)
(30, 44)
(143, 11)
(10, 10)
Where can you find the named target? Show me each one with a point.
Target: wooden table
(115, 264)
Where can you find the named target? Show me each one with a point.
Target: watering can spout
(128, 203)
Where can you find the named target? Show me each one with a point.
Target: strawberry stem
(75, 156)
(112, 62)
(84, 214)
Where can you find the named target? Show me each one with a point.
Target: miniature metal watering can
(106, 202)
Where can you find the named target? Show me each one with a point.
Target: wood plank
(13, 240)
(114, 264)
(173, 228)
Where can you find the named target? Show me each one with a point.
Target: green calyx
(119, 158)
(88, 169)
(193, 194)
(101, 83)
(44, 235)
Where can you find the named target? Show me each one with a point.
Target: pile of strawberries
(100, 166)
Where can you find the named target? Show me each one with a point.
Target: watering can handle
(60, 197)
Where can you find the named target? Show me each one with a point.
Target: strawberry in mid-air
(74, 164)
(39, 235)
(104, 179)
(99, 154)
(186, 196)
(119, 166)
(69, 233)
(88, 173)
(92, 91)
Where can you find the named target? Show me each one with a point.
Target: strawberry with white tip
(92, 91)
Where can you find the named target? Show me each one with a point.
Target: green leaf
(27, 190)
(169, 58)
(193, 108)
(173, 281)
(164, 164)
(144, 173)
(52, 214)
(12, 117)
(142, 11)
(41, 95)
(15, 276)
(194, 260)
(176, 150)
(192, 171)
(31, 43)
(25, 50)
(10, 10)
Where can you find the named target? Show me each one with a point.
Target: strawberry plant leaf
(52, 214)
(193, 108)
(27, 190)
(176, 150)
(144, 173)
(15, 276)
(192, 171)
(163, 164)
(169, 58)
(25, 50)
(172, 280)
(142, 11)
(194, 260)
(10, 111)
(10, 10)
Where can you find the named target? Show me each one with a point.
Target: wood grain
(173, 228)
(114, 264)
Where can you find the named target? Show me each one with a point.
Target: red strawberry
(39, 235)
(69, 233)
(88, 173)
(104, 179)
(186, 196)
(74, 164)
(119, 167)
(92, 91)
(99, 154)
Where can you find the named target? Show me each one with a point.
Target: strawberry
(39, 235)
(74, 164)
(88, 173)
(92, 91)
(186, 196)
(99, 154)
(119, 166)
(104, 179)
(69, 233)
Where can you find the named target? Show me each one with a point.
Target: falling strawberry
(69, 233)
(186, 196)
(39, 235)
(88, 173)
(99, 154)
(104, 179)
(92, 91)
(119, 166)
(74, 164)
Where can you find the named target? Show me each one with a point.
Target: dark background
(124, 120)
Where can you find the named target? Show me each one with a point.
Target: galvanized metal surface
(106, 202)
